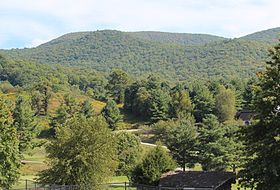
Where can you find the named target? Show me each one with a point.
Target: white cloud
(37, 21)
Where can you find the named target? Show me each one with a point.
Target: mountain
(177, 38)
(268, 36)
(173, 56)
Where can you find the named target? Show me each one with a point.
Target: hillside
(268, 36)
(108, 49)
(177, 38)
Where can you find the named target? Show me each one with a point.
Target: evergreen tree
(155, 163)
(181, 105)
(248, 95)
(118, 81)
(219, 145)
(159, 105)
(83, 153)
(87, 109)
(204, 102)
(24, 123)
(182, 143)
(262, 169)
(112, 114)
(225, 104)
(60, 118)
(9, 148)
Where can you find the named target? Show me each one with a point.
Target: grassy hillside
(143, 53)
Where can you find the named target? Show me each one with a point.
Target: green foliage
(225, 104)
(182, 143)
(248, 94)
(177, 38)
(156, 162)
(161, 129)
(24, 122)
(181, 105)
(269, 36)
(41, 97)
(203, 100)
(149, 98)
(71, 105)
(112, 114)
(118, 80)
(219, 145)
(83, 153)
(159, 105)
(128, 151)
(106, 50)
(262, 139)
(86, 108)
(9, 148)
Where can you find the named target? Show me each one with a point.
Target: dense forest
(175, 57)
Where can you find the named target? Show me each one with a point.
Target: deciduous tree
(156, 162)
(83, 153)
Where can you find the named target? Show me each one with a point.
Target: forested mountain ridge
(268, 36)
(177, 38)
(141, 53)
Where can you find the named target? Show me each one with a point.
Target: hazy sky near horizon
(28, 23)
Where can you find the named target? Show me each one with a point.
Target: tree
(225, 104)
(112, 114)
(118, 81)
(182, 143)
(181, 105)
(9, 148)
(87, 109)
(204, 102)
(159, 105)
(41, 97)
(248, 94)
(71, 105)
(24, 122)
(83, 153)
(262, 140)
(60, 118)
(156, 162)
(161, 129)
(129, 152)
(219, 145)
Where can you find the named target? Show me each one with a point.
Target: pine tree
(87, 109)
(182, 143)
(219, 145)
(9, 148)
(225, 104)
(24, 123)
(112, 114)
(118, 81)
(203, 100)
(262, 168)
(181, 105)
(159, 105)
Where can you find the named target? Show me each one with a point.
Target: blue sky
(28, 23)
